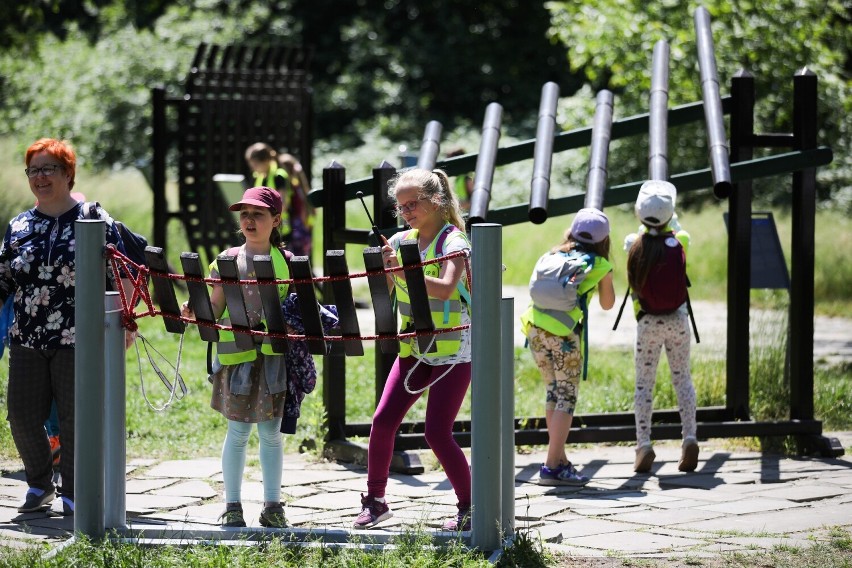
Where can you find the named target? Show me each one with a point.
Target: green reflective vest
(445, 313)
(226, 349)
(269, 181)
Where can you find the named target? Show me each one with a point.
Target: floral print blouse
(37, 274)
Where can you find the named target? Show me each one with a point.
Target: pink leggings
(445, 400)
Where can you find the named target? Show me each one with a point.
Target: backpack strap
(581, 300)
(621, 309)
(689, 311)
(90, 210)
(439, 250)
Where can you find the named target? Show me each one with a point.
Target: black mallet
(360, 195)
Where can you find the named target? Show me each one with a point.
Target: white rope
(171, 386)
(419, 360)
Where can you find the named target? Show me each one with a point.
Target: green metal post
(90, 288)
(507, 415)
(115, 421)
(487, 241)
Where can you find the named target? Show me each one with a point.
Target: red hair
(59, 149)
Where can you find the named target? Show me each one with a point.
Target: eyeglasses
(48, 170)
(410, 206)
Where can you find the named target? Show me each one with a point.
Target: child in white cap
(656, 271)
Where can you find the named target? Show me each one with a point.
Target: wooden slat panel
(300, 268)
(164, 290)
(383, 308)
(271, 303)
(416, 283)
(199, 296)
(342, 293)
(234, 300)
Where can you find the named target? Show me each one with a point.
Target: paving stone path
(736, 501)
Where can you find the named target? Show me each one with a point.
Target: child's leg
(560, 362)
(646, 357)
(392, 407)
(678, 345)
(234, 459)
(445, 400)
(271, 459)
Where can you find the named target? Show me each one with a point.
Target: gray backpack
(556, 277)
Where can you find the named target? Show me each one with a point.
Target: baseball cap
(260, 196)
(590, 226)
(655, 203)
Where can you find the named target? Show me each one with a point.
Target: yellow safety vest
(269, 181)
(445, 313)
(226, 348)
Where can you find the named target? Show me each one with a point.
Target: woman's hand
(129, 338)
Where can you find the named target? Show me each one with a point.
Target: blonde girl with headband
(427, 204)
(660, 246)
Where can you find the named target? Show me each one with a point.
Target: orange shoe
(55, 449)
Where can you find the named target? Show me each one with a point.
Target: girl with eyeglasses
(428, 205)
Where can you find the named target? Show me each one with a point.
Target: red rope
(125, 269)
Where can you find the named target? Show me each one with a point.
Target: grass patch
(408, 549)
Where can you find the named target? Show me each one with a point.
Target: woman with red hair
(37, 263)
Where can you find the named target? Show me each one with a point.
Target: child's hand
(389, 255)
(186, 311)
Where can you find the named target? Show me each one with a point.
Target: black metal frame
(731, 420)
(236, 95)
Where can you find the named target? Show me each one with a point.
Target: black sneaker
(33, 502)
(273, 517)
(233, 516)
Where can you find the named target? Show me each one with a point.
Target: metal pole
(507, 415)
(334, 366)
(90, 288)
(713, 115)
(801, 321)
(115, 419)
(484, 175)
(737, 389)
(601, 130)
(658, 106)
(430, 146)
(487, 241)
(543, 153)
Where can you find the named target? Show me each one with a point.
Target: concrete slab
(669, 517)
(745, 506)
(801, 493)
(186, 469)
(780, 522)
(192, 488)
(146, 485)
(634, 542)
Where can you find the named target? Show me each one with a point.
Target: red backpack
(665, 288)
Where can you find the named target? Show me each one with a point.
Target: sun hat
(260, 196)
(590, 226)
(655, 203)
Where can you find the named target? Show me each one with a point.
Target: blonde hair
(433, 185)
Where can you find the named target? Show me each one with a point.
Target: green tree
(611, 42)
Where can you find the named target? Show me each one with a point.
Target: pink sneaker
(461, 522)
(372, 513)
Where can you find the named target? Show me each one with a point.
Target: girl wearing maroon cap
(249, 386)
